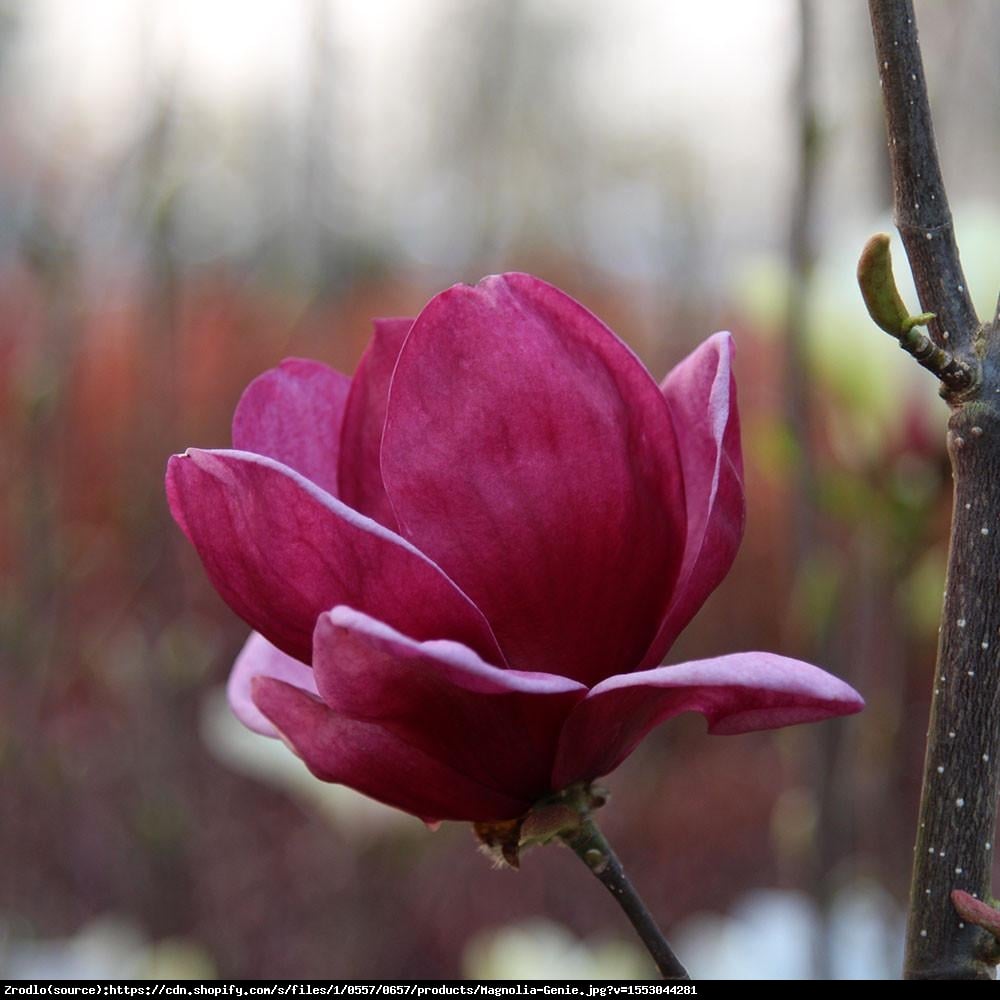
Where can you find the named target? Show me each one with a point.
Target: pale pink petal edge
(259, 658)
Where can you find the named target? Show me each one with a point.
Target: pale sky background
(638, 78)
(651, 138)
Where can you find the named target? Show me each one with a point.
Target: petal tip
(343, 615)
(723, 343)
(725, 337)
(194, 455)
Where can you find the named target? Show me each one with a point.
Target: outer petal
(280, 551)
(701, 393)
(364, 417)
(498, 727)
(736, 693)
(293, 413)
(530, 454)
(259, 658)
(371, 760)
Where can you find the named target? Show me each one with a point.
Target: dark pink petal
(293, 413)
(259, 658)
(368, 758)
(281, 551)
(361, 438)
(498, 727)
(737, 694)
(529, 453)
(701, 394)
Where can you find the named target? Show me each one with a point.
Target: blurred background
(191, 191)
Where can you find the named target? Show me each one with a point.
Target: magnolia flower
(465, 565)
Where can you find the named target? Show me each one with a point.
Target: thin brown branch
(590, 845)
(954, 374)
(920, 202)
(808, 633)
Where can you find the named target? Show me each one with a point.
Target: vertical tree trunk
(959, 799)
(957, 817)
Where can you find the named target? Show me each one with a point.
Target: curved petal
(529, 453)
(371, 760)
(361, 438)
(701, 394)
(280, 551)
(737, 694)
(498, 727)
(293, 413)
(258, 658)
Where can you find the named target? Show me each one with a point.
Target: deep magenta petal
(293, 413)
(483, 544)
(498, 727)
(701, 394)
(737, 693)
(371, 760)
(529, 453)
(364, 417)
(280, 552)
(259, 658)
